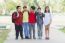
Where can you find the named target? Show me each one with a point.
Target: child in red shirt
(17, 20)
(32, 21)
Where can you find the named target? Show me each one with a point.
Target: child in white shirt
(47, 21)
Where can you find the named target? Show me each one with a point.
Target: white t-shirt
(47, 18)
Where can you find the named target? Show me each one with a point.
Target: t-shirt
(32, 17)
(25, 16)
(47, 18)
(39, 17)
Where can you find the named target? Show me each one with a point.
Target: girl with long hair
(47, 21)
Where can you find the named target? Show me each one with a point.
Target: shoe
(27, 37)
(22, 38)
(47, 38)
(34, 38)
(40, 38)
(16, 38)
(30, 38)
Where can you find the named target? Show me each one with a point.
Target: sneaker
(47, 38)
(40, 38)
(27, 37)
(22, 38)
(34, 38)
(16, 38)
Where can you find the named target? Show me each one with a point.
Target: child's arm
(50, 18)
(14, 15)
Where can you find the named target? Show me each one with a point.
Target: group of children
(25, 21)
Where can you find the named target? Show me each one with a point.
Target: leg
(17, 31)
(24, 26)
(26, 30)
(30, 31)
(41, 27)
(38, 30)
(33, 27)
(47, 31)
(17, 34)
(21, 31)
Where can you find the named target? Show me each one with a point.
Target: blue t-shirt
(39, 17)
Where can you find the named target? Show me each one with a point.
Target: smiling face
(39, 9)
(25, 8)
(19, 9)
(47, 9)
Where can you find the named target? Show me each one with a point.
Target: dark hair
(33, 7)
(48, 9)
(18, 7)
(24, 7)
(39, 8)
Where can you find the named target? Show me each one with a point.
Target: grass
(62, 29)
(3, 35)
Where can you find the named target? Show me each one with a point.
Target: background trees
(6, 6)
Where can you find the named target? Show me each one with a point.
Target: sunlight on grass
(63, 29)
(3, 35)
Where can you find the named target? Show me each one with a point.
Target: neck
(32, 10)
(18, 11)
(40, 12)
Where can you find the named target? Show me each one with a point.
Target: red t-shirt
(32, 17)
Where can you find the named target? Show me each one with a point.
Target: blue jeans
(26, 29)
(32, 29)
(40, 27)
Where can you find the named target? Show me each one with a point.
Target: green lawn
(63, 29)
(3, 35)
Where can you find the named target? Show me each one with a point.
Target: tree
(63, 5)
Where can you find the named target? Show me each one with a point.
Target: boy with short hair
(39, 19)
(17, 20)
(32, 21)
(25, 22)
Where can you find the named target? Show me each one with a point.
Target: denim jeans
(26, 29)
(40, 27)
(32, 29)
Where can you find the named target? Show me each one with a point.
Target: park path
(56, 36)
